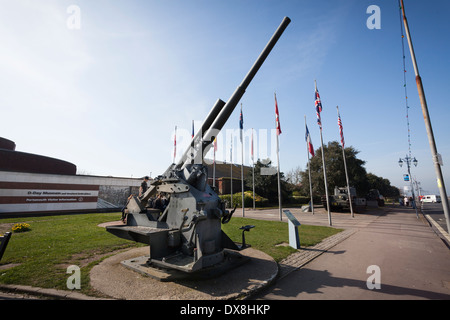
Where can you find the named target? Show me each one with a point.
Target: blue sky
(107, 96)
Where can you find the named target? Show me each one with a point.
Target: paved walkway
(389, 247)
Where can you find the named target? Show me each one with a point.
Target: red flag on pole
(277, 116)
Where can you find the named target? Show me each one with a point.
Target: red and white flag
(277, 117)
(308, 141)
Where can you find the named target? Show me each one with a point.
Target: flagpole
(253, 178)
(214, 164)
(242, 165)
(231, 171)
(309, 173)
(325, 178)
(278, 174)
(426, 117)
(345, 165)
(324, 169)
(278, 155)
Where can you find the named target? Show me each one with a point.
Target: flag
(241, 122)
(341, 129)
(308, 141)
(192, 129)
(318, 105)
(175, 145)
(277, 117)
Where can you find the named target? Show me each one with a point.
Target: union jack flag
(318, 105)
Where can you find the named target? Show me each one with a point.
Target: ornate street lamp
(408, 161)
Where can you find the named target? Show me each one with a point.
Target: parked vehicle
(340, 200)
(431, 198)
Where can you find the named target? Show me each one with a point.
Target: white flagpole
(346, 173)
(325, 178)
(253, 161)
(242, 168)
(309, 172)
(214, 164)
(231, 170)
(278, 174)
(324, 170)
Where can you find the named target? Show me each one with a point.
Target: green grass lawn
(55, 242)
(267, 235)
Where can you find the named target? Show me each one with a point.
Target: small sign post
(293, 223)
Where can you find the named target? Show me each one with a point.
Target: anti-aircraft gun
(187, 236)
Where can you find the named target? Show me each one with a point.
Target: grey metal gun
(187, 235)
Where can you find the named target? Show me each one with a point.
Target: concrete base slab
(113, 279)
(141, 264)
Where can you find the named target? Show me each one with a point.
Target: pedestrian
(406, 201)
(144, 186)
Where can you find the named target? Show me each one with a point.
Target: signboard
(293, 223)
(26, 196)
(406, 177)
(291, 218)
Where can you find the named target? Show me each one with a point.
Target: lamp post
(408, 161)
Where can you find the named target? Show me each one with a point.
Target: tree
(335, 170)
(294, 176)
(357, 175)
(266, 184)
(382, 185)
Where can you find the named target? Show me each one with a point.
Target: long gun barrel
(186, 235)
(221, 111)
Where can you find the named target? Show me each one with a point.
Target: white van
(431, 198)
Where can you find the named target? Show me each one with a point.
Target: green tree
(357, 175)
(335, 170)
(383, 185)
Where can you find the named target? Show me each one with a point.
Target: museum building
(31, 184)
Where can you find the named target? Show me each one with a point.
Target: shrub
(248, 200)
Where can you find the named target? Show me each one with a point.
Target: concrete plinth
(112, 278)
